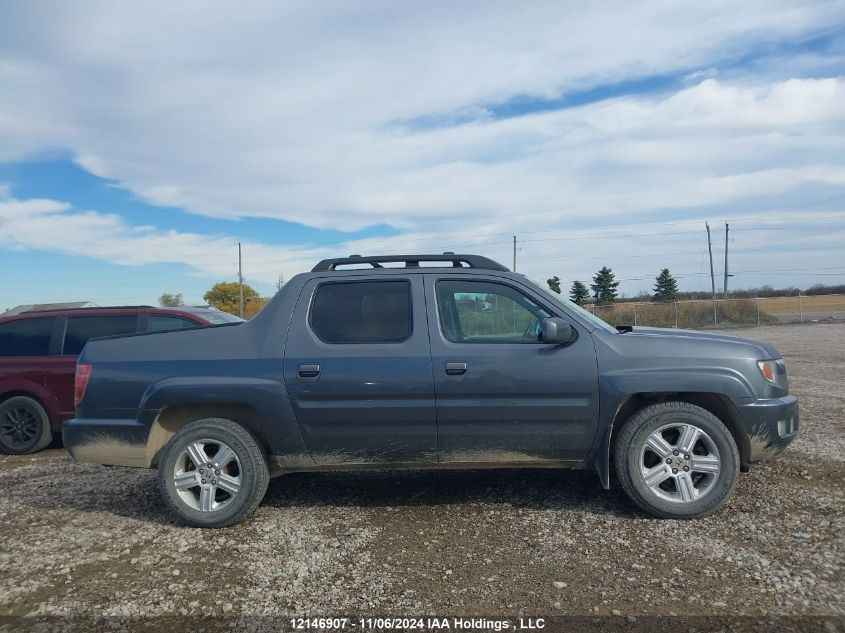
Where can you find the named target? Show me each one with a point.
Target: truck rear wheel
(212, 473)
(676, 460)
(24, 426)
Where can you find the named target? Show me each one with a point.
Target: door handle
(309, 370)
(456, 368)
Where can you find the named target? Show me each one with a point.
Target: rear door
(502, 396)
(358, 370)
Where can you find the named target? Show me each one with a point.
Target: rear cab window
(26, 337)
(362, 312)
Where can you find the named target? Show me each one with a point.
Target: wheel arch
(14, 393)
(258, 404)
(38, 393)
(718, 404)
(172, 418)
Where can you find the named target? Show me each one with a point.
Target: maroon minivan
(38, 352)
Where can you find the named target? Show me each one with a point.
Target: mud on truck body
(429, 361)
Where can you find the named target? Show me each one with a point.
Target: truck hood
(682, 338)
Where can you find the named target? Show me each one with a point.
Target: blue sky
(51, 274)
(141, 144)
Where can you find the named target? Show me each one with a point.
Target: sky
(141, 142)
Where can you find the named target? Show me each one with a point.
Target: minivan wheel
(676, 460)
(24, 426)
(212, 473)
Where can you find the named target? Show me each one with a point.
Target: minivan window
(26, 337)
(80, 329)
(218, 317)
(160, 322)
(362, 312)
(485, 312)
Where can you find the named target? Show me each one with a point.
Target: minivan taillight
(83, 373)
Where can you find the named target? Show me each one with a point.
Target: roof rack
(411, 261)
(84, 309)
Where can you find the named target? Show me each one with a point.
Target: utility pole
(240, 283)
(726, 260)
(712, 278)
(514, 252)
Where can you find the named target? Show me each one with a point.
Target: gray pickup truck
(429, 361)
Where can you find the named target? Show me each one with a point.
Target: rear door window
(80, 329)
(362, 312)
(26, 337)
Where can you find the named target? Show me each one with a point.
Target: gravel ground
(85, 542)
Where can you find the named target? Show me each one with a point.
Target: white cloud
(54, 226)
(305, 113)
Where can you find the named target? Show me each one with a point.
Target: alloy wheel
(680, 463)
(207, 475)
(19, 426)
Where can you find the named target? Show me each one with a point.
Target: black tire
(249, 468)
(24, 426)
(630, 455)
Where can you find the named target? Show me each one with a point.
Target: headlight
(774, 371)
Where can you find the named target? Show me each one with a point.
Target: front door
(502, 396)
(358, 370)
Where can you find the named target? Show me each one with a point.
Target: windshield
(571, 306)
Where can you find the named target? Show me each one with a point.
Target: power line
(592, 235)
(793, 271)
(767, 215)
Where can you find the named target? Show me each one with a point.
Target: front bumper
(770, 424)
(116, 442)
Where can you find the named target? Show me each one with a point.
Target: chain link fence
(723, 312)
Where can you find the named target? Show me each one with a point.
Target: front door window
(486, 312)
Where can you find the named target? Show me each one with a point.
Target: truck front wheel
(676, 460)
(212, 473)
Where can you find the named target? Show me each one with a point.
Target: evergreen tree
(665, 286)
(554, 284)
(604, 285)
(579, 293)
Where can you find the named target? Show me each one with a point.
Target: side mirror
(556, 331)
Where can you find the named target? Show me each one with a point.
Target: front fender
(618, 387)
(693, 378)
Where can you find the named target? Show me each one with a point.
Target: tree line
(225, 295)
(603, 290)
(605, 287)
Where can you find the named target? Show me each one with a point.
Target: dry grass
(698, 314)
(685, 314)
(816, 303)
